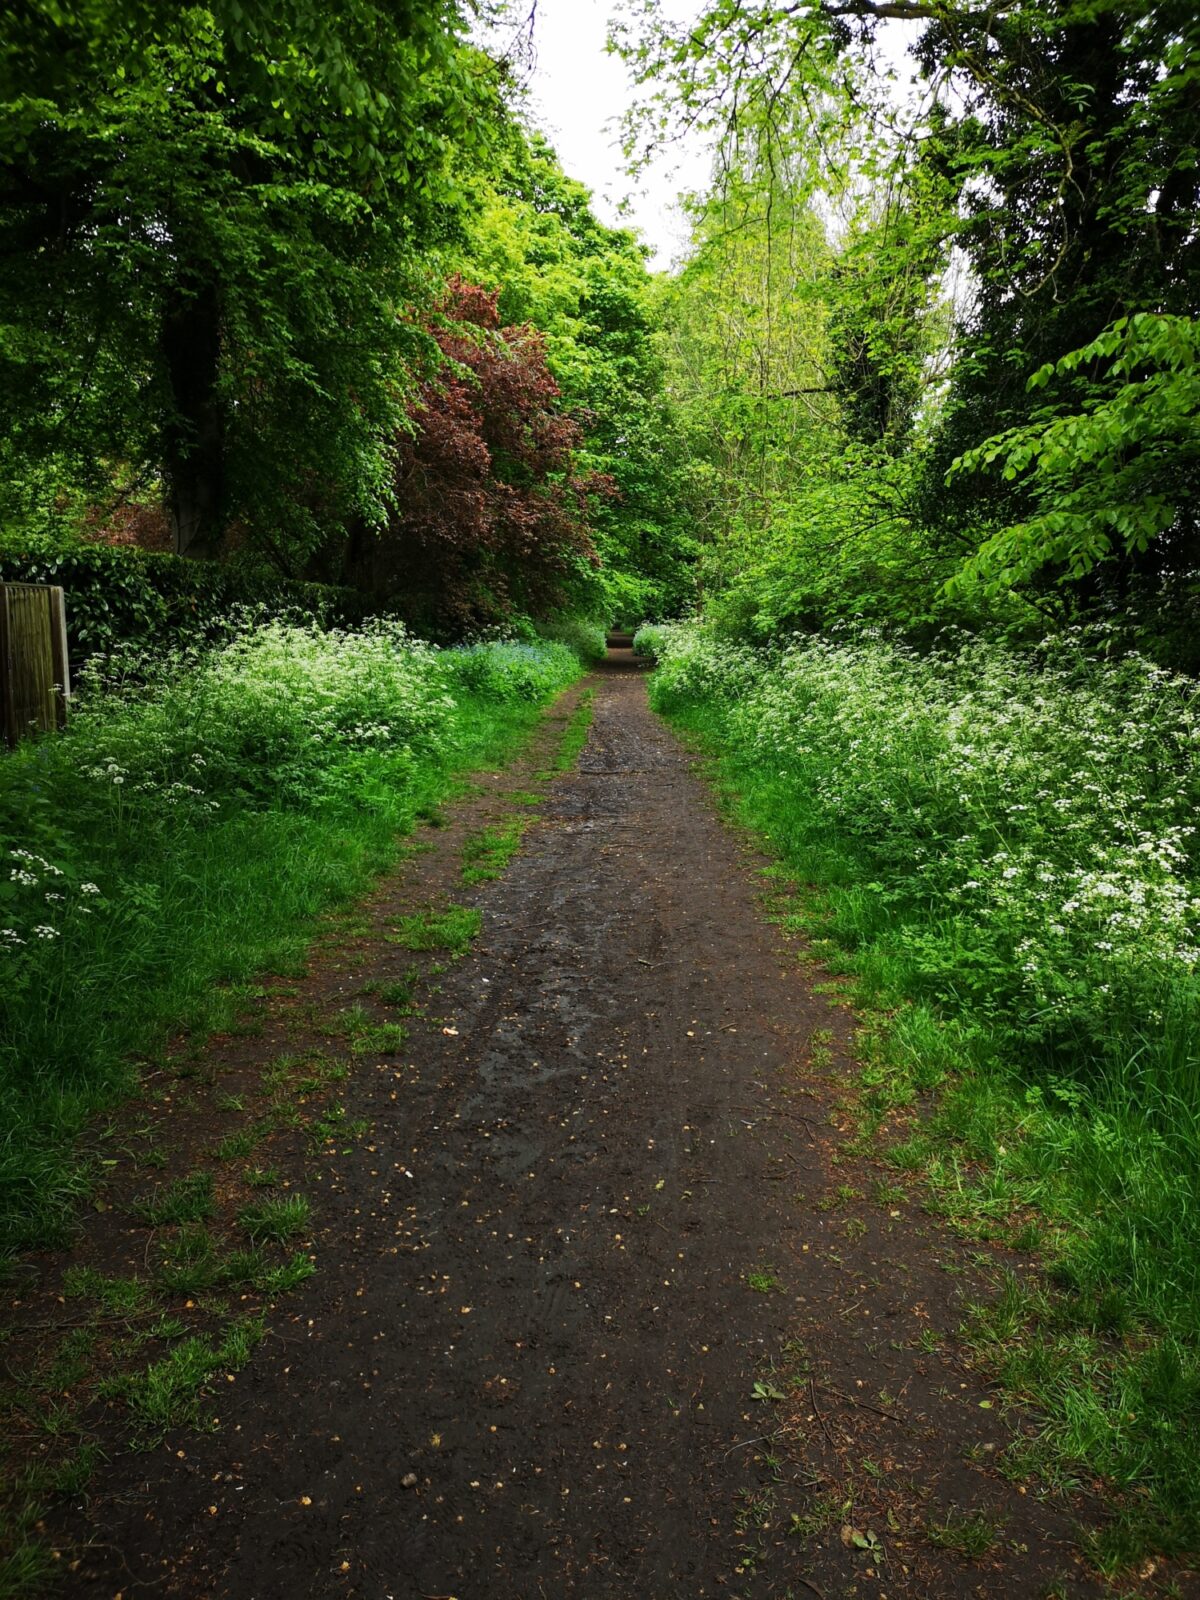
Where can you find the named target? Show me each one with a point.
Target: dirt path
(601, 1199)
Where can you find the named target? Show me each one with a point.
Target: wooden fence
(35, 679)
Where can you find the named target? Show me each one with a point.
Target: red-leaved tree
(491, 511)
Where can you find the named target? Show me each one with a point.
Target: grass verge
(1033, 1142)
(186, 833)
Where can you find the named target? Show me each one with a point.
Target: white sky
(578, 94)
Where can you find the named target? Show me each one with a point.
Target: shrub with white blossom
(1029, 818)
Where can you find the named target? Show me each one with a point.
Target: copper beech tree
(491, 510)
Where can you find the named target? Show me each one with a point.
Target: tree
(1060, 140)
(533, 237)
(491, 505)
(210, 219)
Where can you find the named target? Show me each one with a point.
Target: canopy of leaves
(209, 217)
(1049, 152)
(491, 505)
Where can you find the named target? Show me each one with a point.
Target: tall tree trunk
(194, 454)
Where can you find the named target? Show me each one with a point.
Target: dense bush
(649, 639)
(509, 670)
(117, 596)
(1044, 806)
(586, 636)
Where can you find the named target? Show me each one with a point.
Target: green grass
(970, 1534)
(116, 1295)
(277, 1219)
(894, 789)
(486, 854)
(236, 1146)
(187, 1199)
(168, 1394)
(201, 892)
(400, 993)
(452, 929)
(575, 735)
(379, 1038)
(194, 1262)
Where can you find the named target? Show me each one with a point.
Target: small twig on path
(865, 1405)
(812, 1395)
(808, 1584)
(742, 1443)
(91, 1322)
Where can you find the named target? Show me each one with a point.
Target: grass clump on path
(451, 929)
(999, 849)
(200, 811)
(575, 735)
(486, 854)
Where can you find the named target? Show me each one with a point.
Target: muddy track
(598, 1203)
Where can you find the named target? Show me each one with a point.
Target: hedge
(119, 595)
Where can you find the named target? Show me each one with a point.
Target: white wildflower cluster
(1042, 799)
(263, 714)
(108, 771)
(26, 896)
(277, 716)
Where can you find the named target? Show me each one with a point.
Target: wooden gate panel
(33, 662)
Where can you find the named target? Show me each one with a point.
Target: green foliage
(121, 596)
(511, 670)
(1053, 156)
(535, 238)
(210, 218)
(1114, 474)
(583, 635)
(649, 640)
(847, 544)
(748, 337)
(226, 233)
